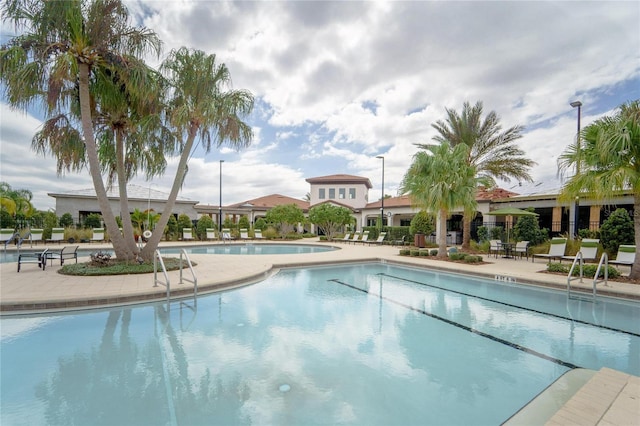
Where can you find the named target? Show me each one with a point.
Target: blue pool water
(370, 344)
(248, 248)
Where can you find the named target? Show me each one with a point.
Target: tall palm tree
(492, 152)
(62, 47)
(440, 180)
(609, 162)
(16, 201)
(201, 107)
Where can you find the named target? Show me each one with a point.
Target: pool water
(370, 344)
(249, 248)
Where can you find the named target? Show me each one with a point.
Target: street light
(220, 205)
(577, 104)
(382, 199)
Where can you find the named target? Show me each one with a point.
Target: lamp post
(382, 199)
(220, 204)
(577, 104)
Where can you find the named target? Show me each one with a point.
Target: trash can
(419, 241)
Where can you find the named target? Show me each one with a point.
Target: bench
(37, 257)
(67, 252)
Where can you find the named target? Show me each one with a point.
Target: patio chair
(35, 235)
(244, 234)
(39, 257)
(57, 235)
(588, 248)
(521, 249)
(380, 239)
(211, 234)
(98, 235)
(67, 252)
(556, 250)
(626, 255)
(356, 237)
(257, 234)
(399, 242)
(364, 239)
(226, 234)
(495, 246)
(187, 234)
(346, 237)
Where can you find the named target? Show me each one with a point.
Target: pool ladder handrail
(604, 259)
(167, 283)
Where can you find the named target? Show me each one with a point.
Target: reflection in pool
(359, 344)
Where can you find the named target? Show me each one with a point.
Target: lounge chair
(380, 239)
(356, 237)
(521, 249)
(244, 234)
(364, 239)
(626, 255)
(588, 248)
(6, 236)
(257, 234)
(226, 234)
(495, 247)
(211, 234)
(400, 242)
(556, 250)
(57, 235)
(67, 252)
(98, 235)
(37, 257)
(346, 237)
(35, 235)
(187, 234)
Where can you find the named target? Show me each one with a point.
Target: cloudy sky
(339, 83)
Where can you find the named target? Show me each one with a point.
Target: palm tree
(203, 107)
(440, 179)
(609, 162)
(54, 62)
(16, 202)
(492, 152)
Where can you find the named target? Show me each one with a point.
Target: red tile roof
(483, 194)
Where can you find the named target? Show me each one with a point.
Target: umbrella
(511, 211)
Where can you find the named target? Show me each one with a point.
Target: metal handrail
(194, 281)
(569, 279)
(156, 281)
(604, 258)
(14, 236)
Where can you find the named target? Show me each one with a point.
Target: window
(341, 193)
(332, 193)
(321, 194)
(352, 193)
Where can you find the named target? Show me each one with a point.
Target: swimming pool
(358, 344)
(248, 248)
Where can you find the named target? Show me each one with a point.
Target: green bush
(93, 220)
(457, 256)
(201, 228)
(414, 252)
(496, 233)
(66, 220)
(405, 252)
(184, 222)
(588, 270)
(483, 234)
(472, 259)
(424, 252)
(243, 222)
(422, 223)
(558, 267)
(617, 229)
(260, 224)
(433, 252)
(528, 229)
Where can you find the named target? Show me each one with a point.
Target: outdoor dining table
(507, 249)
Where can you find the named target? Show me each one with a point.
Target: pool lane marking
(464, 327)
(511, 305)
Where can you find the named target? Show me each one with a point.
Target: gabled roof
(270, 201)
(134, 192)
(483, 194)
(340, 179)
(336, 203)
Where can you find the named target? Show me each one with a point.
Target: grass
(114, 267)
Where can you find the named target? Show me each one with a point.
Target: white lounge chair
(356, 237)
(364, 239)
(35, 235)
(346, 237)
(626, 255)
(226, 234)
(6, 235)
(211, 234)
(380, 239)
(522, 249)
(98, 235)
(67, 252)
(556, 250)
(57, 235)
(588, 248)
(258, 234)
(244, 234)
(187, 234)
(494, 247)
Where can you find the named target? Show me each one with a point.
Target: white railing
(194, 279)
(577, 260)
(604, 260)
(157, 258)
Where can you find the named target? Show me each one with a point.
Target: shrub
(424, 252)
(201, 228)
(496, 233)
(590, 271)
(483, 234)
(93, 220)
(414, 252)
(422, 223)
(433, 252)
(260, 224)
(270, 233)
(405, 252)
(617, 229)
(472, 259)
(243, 222)
(457, 256)
(527, 229)
(66, 220)
(558, 267)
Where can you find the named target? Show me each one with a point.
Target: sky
(339, 83)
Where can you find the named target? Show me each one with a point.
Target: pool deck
(612, 399)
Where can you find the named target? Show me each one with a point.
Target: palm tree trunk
(635, 268)
(127, 227)
(147, 252)
(466, 231)
(117, 240)
(442, 235)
